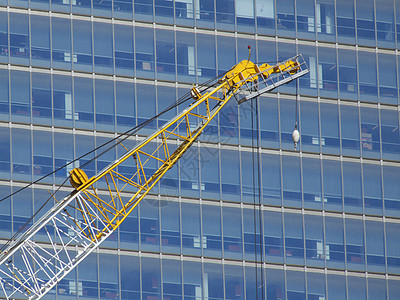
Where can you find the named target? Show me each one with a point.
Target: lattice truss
(39, 258)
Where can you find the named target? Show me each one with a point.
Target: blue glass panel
(83, 103)
(123, 9)
(172, 279)
(229, 124)
(233, 244)
(82, 7)
(375, 246)
(164, 11)
(365, 22)
(356, 288)
(88, 275)
(143, 10)
(252, 226)
(129, 235)
(352, 187)
(327, 72)
(191, 238)
(206, 57)
(329, 128)
(355, 244)
(103, 48)
(184, 12)
(250, 177)
(275, 282)
(326, 20)
(271, 179)
(205, 14)
(393, 289)
(292, 195)
(296, 287)
(165, 53)
(385, 25)
(151, 278)
(19, 38)
(125, 101)
(192, 280)
(392, 247)
(316, 251)
(41, 98)
(245, 15)
(367, 76)
(312, 192)
(20, 96)
(273, 237)
(22, 210)
(373, 199)
(285, 18)
(309, 83)
(102, 8)
(230, 175)
(215, 284)
(212, 235)
(255, 277)
(4, 95)
(269, 122)
(61, 43)
(347, 74)
(332, 179)
(226, 52)
(144, 50)
(42, 155)
(234, 282)
(146, 105)
(350, 130)
(83, 58)
(63, 154)
(62, 5)
(40, 39)
(334, 247)
(336, 287)
(104, 98)
(370, 136)
(170, 227)
(130, 277)
(376, 288)
(285, 51)
(288, 120)
(391, 177)
(305, 19)
(149, 225)
(225, 14)
(265, 11)
(316, 286)
(390, 134)
(108, 276)
(4, 51)
(387, 78)
(294, 242)
(186, 66)
(123, 41)
(62, 101)
(5, 164)
(210, 176)
(5, 206)
(309, 126)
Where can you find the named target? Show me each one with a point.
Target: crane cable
(257, 184)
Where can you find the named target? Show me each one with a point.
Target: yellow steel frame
(113, 208)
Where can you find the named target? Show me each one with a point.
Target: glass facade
(319, 223)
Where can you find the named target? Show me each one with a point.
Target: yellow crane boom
(78, 223)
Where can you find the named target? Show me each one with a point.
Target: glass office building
(326, 223)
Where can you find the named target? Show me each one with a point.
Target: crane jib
(35, 261)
